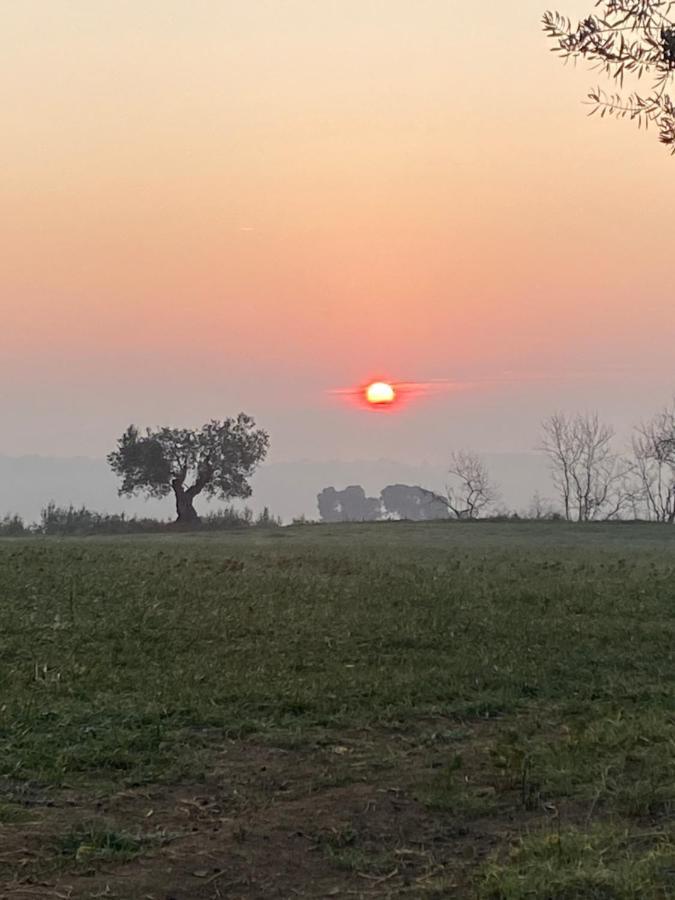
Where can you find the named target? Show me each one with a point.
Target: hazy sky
(214, 205)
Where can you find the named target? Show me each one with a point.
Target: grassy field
(390, 710)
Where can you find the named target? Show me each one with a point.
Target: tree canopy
(349, 505)
(626, 40)
(215, 460)
(413, 503)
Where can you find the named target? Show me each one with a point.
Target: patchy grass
(432, 692)
(604, 862)
(98, 842)
(11, 813)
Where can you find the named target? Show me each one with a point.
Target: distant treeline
(414, 504)
(70, 520)
(396, 501)
(592, 480)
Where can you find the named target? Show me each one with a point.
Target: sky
(215, 205)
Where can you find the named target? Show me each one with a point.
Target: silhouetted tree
(215, 460)
(412, 503)
(589, 476)
(329, 505)
(470, 491)
(654, 462)
(13, 526)
(349, 505)
(265, 519)
(356, 507)
(540, 508)
(626, 38)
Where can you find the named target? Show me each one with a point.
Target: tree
(328, 502)
(349, 505)
(589, 477)
(413, 503)
(356, 507)
(540, 508)
(215, 460)
(470, 491)
(625, 39)
(654, 465)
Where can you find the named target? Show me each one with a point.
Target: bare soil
(338, 819)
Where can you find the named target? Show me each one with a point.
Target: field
(446, 710)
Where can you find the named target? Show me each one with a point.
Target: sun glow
(389, 396)
(380, 393)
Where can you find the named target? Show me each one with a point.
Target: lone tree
(215, 460)
(625, 39)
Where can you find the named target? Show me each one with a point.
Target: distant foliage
(69, 520)
(625, 39)
(265, 519)
(469, 494)
(349, 505)
(13, 526)
(413, 503)
(229, 518)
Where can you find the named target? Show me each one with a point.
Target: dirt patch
(331, 818)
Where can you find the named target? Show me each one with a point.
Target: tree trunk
(185, 511)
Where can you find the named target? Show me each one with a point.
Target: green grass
(602, 863)
(96, 842)
(123, 661)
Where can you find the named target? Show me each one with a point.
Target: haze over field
(217, 206)
(288, 489)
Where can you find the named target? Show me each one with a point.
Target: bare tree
(589, 476)
(654, 465)
(539, 508)
(563, 453)
(625, 39)
(470, 490)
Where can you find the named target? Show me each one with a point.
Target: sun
(380, 393)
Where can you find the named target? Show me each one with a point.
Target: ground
(469, 710)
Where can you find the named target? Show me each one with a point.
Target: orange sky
(210, 205)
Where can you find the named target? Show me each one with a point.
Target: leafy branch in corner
(625, 39)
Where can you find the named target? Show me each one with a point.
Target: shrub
(13, 526)
(69, 520)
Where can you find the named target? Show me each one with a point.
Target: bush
(62, 520)
(226, 519)
(13, 526)
(65, 520)
(266, 520)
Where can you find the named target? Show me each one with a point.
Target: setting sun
(380, 393)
